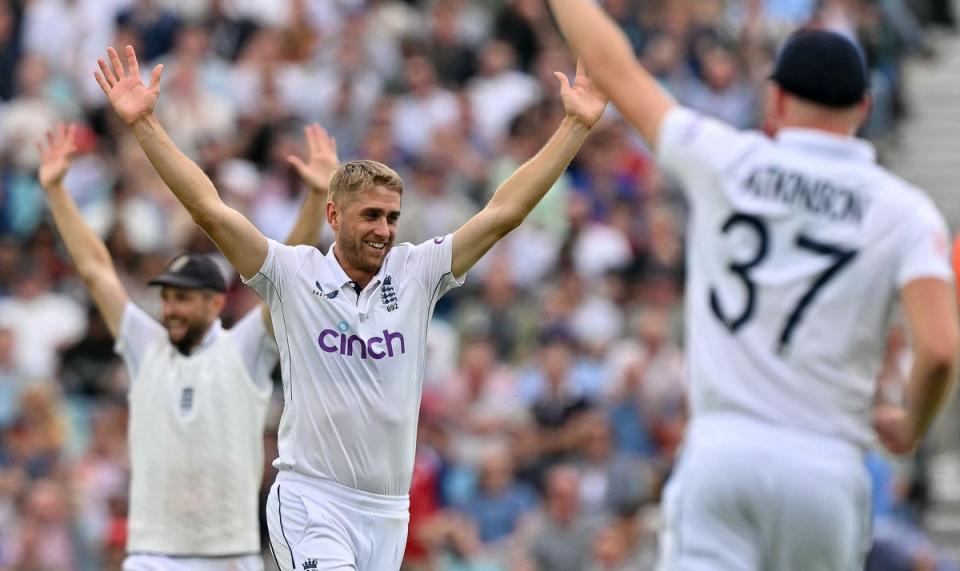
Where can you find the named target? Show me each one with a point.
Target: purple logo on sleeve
(334, 341)
(439, 239)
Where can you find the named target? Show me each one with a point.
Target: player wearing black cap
(198, 393)
(798, 246)
(822, 67)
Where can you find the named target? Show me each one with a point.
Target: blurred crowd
(554, 403)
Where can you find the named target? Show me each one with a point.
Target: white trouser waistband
(729, 431)
(349, 497)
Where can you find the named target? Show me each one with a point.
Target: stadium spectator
(42, 322)
(500, 502)
(561, 534)
(424, 108)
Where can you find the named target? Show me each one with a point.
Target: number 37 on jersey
(735, 310)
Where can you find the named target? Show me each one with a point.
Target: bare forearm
(605, 51)
(931, 382)
(596, 39)
(517, 196)
(234, 235)
(86, 249)
(306, 230)
(188, 182)
(520, 193)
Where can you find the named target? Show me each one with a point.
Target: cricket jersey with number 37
(797, 249)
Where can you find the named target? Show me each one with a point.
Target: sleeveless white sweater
(196, 448)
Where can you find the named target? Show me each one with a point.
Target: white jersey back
(797, 248)
(352, 364)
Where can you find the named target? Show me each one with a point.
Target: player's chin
(377, 254)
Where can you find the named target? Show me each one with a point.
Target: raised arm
(603, 48)
(237, 237)
(520, 193)
(88, 252)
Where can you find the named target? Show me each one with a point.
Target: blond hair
(354, 176)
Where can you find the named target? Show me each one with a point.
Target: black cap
(823, 67)
(194, 271)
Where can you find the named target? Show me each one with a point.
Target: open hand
(583, 100)
(321, 161)
(129, 97)
(55, 157)
(893, 428)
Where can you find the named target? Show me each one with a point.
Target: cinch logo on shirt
(333, 341)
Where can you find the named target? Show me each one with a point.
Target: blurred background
(554, 403)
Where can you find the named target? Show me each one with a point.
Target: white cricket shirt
(797, 248)
(352, 364)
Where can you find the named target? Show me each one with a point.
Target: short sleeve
(279, 268)
(256, 346)
(692, 146)
(432, 262)
(924, 248)
(138, 331)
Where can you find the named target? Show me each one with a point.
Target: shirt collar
(822, 142)
(335, 278)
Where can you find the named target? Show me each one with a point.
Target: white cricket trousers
(319, 524)
(751, 496)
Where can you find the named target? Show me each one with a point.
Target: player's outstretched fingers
(155, 76)
(297, 163)
(332, 147)
(107, 75)
(313, 146)
(132, 64)
(101, 82)
(564, 82)
(329, 142)
(118, 70)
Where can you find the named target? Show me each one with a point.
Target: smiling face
(365, 226)
(188, 314)
(363, 212)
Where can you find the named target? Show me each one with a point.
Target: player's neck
(359, 277)
(835, 122)
(832, 128)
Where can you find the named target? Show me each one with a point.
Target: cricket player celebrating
(798, 247)
(350, 324)
(198, 393)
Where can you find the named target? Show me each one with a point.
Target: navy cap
(193, 271)
(823, 67)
